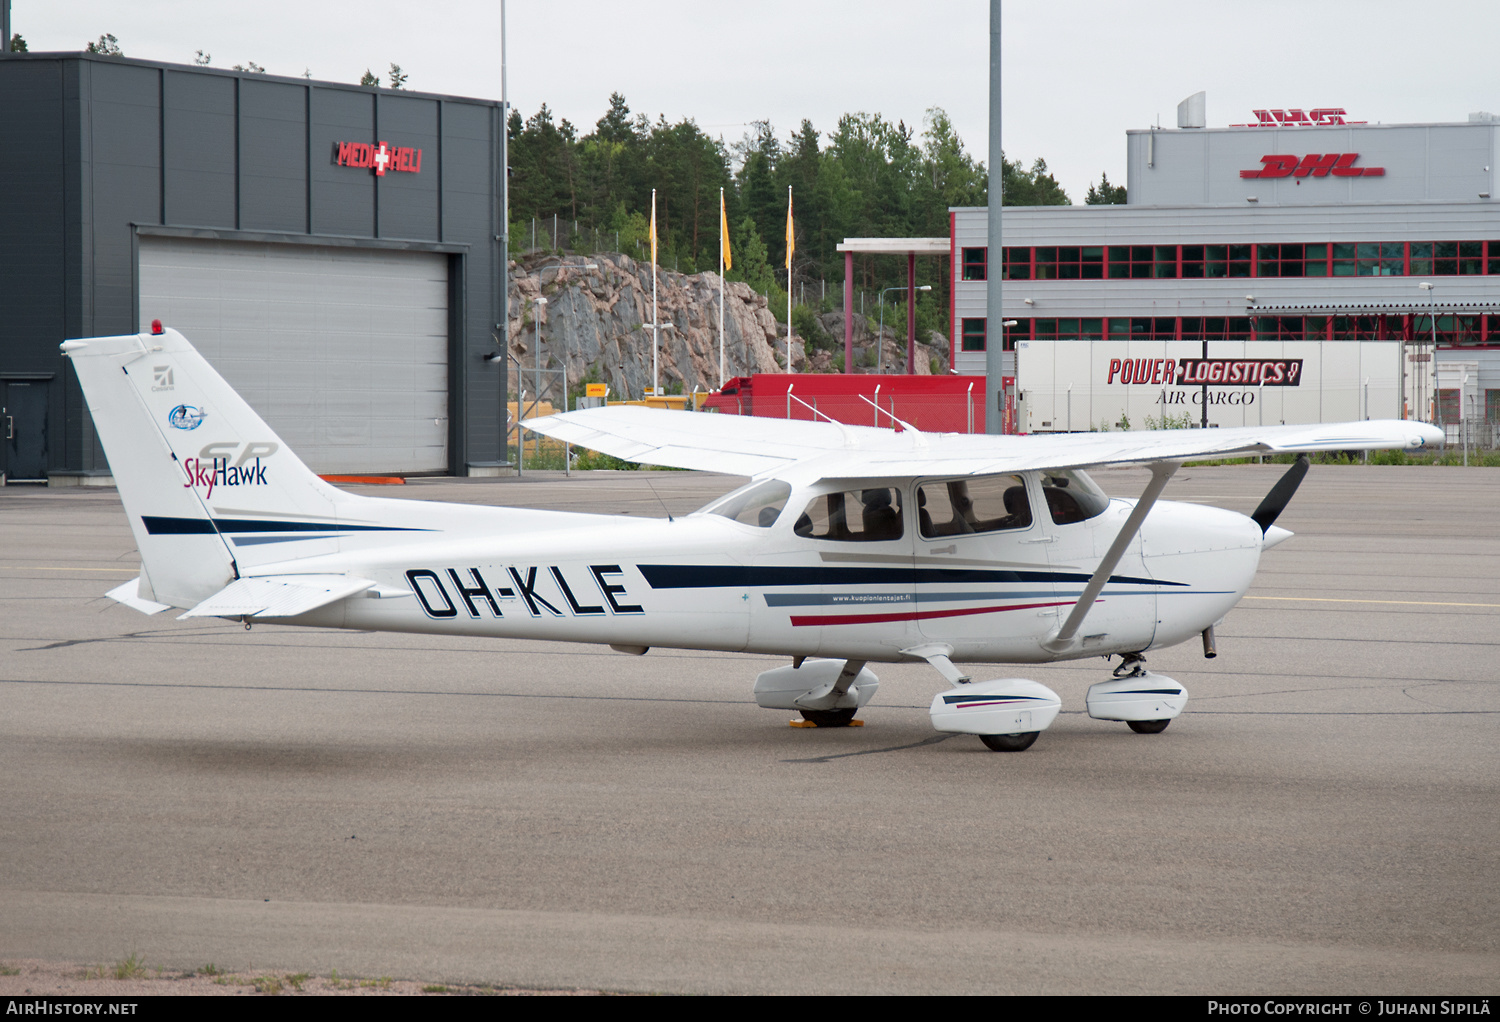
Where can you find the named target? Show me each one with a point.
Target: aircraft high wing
(849, 545)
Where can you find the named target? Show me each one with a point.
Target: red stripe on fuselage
(799, 621)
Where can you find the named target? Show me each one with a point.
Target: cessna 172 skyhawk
(849, 546)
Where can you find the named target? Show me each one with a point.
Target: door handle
(951, 548)
(10, 427)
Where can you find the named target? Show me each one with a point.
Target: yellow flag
(791, 242)
(724, 232)
(653, 225)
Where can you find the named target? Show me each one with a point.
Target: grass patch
(436, 988)
(131, 967)
(383, 983)
(269, 985)
(9, 970)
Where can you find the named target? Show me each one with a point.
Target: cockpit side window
(853, 516)
(975, 504)
(1072, 496)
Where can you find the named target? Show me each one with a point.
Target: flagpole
(789, 246)
(722, 240)
(655, 377)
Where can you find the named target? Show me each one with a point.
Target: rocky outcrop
(597, 321)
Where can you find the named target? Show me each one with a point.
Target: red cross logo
(382, 157)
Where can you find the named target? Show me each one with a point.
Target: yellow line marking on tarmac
(1403, 603)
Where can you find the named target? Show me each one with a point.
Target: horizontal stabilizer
(128, 595)
(278, 595)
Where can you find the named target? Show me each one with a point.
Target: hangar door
(343, 351)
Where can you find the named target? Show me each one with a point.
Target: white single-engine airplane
(850, 545)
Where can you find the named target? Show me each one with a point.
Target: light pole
(1429, 287)
(568, 447)
(880, 337)
(536, 397)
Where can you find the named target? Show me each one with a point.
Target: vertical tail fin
(188, 455)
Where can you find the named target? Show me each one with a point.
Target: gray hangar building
(331, 249)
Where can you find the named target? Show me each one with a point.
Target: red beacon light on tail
(156, 327)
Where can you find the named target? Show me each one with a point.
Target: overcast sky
(1077, 73)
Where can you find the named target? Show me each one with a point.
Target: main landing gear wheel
(1148, 727)
(1010, 743)
(829, 718)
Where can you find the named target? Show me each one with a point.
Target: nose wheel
(1010, 743)
(1146, 702)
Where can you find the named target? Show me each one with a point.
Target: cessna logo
(161, 377)
(379, 158)
(1313, 165)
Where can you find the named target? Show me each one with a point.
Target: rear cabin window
(976, 504)
(853, 516)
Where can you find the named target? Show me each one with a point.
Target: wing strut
(1161, 471)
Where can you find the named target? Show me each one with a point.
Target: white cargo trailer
(1073, 386)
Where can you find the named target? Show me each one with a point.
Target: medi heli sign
(1080, 385)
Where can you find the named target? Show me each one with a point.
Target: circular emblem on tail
(185, 417)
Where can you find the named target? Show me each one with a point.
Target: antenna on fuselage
(658, 497)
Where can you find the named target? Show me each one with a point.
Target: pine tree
(398, 77)
(17, 44)
(1105, 194)
(369, 79)
(107, 46)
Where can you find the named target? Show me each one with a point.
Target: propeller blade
(1281, 495)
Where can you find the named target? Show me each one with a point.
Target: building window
(1137, 262)
(1213, 328)
(1070, 263)
(974, 334)
(1492, 405)
(1494, 247)
(1279, 328)
(1143, 328)
(1017, 263)
(1447, 258)
(1368, 259)
(1069, 329)
(1286, 260)
(976, 264)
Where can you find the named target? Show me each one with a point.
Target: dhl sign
(1313, 165)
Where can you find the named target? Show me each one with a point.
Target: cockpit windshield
(1072, 496)
(757, 504)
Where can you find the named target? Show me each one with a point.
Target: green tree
(17, 44)
(398, 77)
(1105, 194)
(368, 78)
(1034, 187)
(107, 46)
(750, 263)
